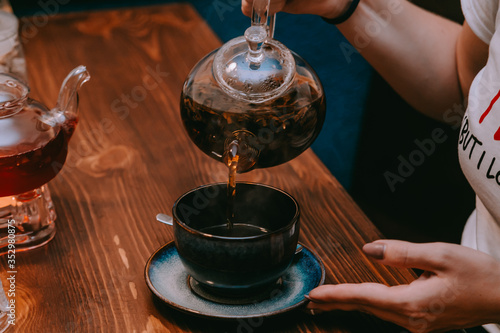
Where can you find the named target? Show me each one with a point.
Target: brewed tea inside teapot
(253, 103)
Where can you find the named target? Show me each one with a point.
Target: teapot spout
(67, 102)
(65, 113)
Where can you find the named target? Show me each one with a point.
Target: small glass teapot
(33, 148)
(253, 100)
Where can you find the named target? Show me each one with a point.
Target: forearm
(414, 50)
(492, 296)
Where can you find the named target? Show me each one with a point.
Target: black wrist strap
(342, 18)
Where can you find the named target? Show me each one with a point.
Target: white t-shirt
(479, 143)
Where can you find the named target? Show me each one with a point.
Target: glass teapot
(33, 148)
(253, 100)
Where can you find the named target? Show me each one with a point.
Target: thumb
(246, 7)
(428, 256)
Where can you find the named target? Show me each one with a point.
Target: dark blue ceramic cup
(254, 254)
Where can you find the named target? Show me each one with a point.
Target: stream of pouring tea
(232, 164)
(233, 227)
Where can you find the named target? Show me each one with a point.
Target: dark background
(368, 129)
(434, 202)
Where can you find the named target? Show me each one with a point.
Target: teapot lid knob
(255, 67)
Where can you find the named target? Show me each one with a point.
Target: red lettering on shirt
(496, 136)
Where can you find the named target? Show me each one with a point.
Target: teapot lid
(254, 67)
(13, 95)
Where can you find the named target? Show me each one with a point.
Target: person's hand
(460, 288)
(325, 8)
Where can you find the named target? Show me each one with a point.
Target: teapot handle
(259, 32)
(260, 16)
(272, 22)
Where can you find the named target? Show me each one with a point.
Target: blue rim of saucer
(166, 278)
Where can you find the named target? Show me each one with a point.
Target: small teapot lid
(255, 67)
(13, 95)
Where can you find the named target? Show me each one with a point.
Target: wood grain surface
(130, 159)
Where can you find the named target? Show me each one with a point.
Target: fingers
(275, 6)
(430, 256)
(359, 293)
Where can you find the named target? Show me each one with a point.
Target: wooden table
(130, 159)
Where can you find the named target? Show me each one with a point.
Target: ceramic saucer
(167, 279)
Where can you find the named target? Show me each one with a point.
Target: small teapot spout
(67, 102)
(65, 112)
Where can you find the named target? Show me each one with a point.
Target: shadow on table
(288, 322)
